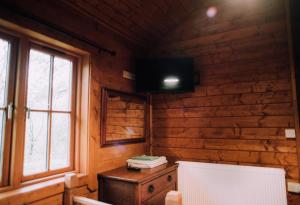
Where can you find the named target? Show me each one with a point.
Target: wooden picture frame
(106, 93)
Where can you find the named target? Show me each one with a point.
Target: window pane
(35, 158)
(2, 122)
(4, 63)
(38, 80)
(60, 141)
(62, 84)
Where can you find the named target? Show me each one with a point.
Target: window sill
(33, 192)
(46, 178)
(33, 182)
(58, 181)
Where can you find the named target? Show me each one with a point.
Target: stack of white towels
(146, 161)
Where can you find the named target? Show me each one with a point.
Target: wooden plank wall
(243, 104)
(125, 119)
(143, 22)
(105, 71)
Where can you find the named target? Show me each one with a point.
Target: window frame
(23, 36)
(53, 51)
(8, 132)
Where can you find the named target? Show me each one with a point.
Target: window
(40, 85)
(50, 107)
(7, 62)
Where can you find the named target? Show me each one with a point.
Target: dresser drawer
(121, 186)
(159, 199)
(158, 185)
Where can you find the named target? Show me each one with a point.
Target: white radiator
(218, 184)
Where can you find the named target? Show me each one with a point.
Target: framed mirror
(124, 118)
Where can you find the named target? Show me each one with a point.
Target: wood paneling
(143, 22)
(293, 199)
(105, 71)
(138, 22)
(35, 194)
(244, 101)
(53, 200)
(124, 118)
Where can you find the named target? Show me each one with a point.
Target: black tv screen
(164, 75)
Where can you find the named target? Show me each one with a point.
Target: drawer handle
(151, 188)
(169, 178)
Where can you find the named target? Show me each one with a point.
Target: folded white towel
(144, 162)
(142, 166)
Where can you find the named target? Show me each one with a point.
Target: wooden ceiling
(140, 21)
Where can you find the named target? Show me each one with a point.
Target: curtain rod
(57, 28)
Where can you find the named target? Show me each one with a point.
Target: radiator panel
(218, 184)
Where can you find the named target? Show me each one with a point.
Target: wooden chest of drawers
(147, 187)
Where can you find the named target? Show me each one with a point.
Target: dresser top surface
(124, 174)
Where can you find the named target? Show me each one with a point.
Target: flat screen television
(154, 75)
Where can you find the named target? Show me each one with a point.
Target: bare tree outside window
(48, 116)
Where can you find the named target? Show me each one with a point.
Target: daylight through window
(4, 72)
(49, 113)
